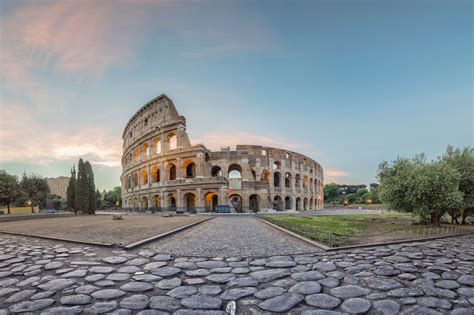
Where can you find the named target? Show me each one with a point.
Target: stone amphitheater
(163, 171)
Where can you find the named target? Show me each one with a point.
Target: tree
(91, 187)
(81, 198)
(112, 197)
(9, 188)
(362, 195)
(71, 191)
(331, 191)
(462, 160)
(426, 189)
(98, 199)
(374, 192)
(35, 189)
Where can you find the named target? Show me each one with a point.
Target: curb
(59, 239)
(160, 236)
(301, 238)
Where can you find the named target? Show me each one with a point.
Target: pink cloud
(335, 173)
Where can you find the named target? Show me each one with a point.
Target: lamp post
(30, 205)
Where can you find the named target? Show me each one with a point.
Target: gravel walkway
(231, 236)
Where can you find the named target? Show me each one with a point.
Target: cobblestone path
(229, 236)
(40, 277)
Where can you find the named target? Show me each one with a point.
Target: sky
(348, 83)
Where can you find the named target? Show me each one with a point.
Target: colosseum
(161, 170)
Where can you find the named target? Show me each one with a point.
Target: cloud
(22, 138)
(335, 173)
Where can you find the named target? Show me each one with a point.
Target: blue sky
(349, 83)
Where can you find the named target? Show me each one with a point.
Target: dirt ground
(100, 228)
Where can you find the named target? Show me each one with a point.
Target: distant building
(58, 185)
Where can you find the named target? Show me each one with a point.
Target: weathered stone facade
(58, 185)
(162, 170)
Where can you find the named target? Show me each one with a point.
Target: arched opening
(297, 181)
(144, 203)
(155, 174)
(236, 202)
(128, 181)
(265, 176)
(298, 203)
(311, 184)
(145, 150)
(144, 177)
(129, 203)
(171, 171)
(157, 145)
(305, 181)
(135, 180)
(171, 202)
(254, 174)
(277, 203)
(190, 202)
(287, 203)
(287, 180)
(136, 154)
(276, 179)
(216, 171)
(211, 201)
(305, 204)
(172, 141)
(157, 202)
(235, 171)
(136, 204)
(276, 165)
(254, 203)
(311, 204)
(190, 170)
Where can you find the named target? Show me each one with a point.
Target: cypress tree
(90, 187)
(81, 198)
(71, 191)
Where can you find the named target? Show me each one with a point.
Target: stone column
(179, 171)
(199, 205)
(179, 202)
(222, 196)
(149, 175)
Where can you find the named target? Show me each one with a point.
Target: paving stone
(197, 273)
(94, 278)
(182, 292)
(349, 291)
(62, 310)
(57, 284)
(53, 265)
(329, 282)
(466, 280)
(136, 286)
(243, 282)
(433, 302)
(154, 265)
(281, 303)
(324, 266)
(101, 307)
(387, 271)
(420, 310)
(108, 294)
(162, 257)
(165, 303)
(356, 305)
(146, 277)
(237, 293)
(137, 262)
(462, 311)
(322, 300)
(193, 281)
(321, 312)
(447, 284)
(75, 274)
(31, 306)
(169, 283)
(210, 289)
(306, 287)
(307, 276)
(405, 292)
(118, 276)
(166, 271)
(128, 269)
(386, 307)
(211, 264)
(105, 283)
(269, 292)
(198, 312)
(20, 296)
(42, 295)
(202, 302)
(185, 265)
(77, 299)
(240, 270)
(270, 274)
(86, 289)
(280, 264)
(135, 302)
(382, 283)
(101, 269)
(115, 260)
(221, 278)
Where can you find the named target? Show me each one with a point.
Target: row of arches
(156, 146)
(287, 204)
(188, 170)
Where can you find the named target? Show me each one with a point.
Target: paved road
(227, 236)
(41, 277)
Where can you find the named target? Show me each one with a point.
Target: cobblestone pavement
(227, 236)
(41, 277)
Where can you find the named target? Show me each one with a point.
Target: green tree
(9, 188)
(112, 197)
(374, 192)
(91, 187)
(35, 189)
(81, 198)
(362, 195)
(426, 189)
(98, 200)
(462, 160)
(331, 192)
(71, 191)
